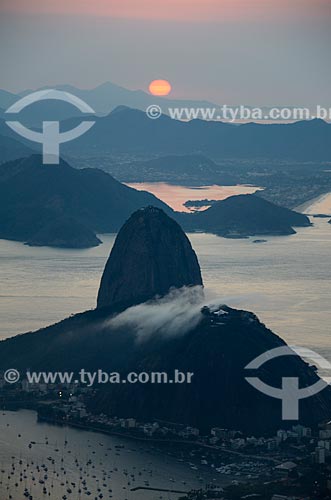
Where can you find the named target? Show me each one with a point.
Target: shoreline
(316, 199)
(108, 432)
(131, 437)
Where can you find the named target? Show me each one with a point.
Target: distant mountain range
(103, 99)
(176, 169)
(107, 96)
(123, 127)
(39, 203)
(36, 199)
(130, 131)
(7, 99)
(245, 215)
(174, 331)
(12, 149)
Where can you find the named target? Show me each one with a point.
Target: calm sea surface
(104, 462)
(176, 196)
(285, 281)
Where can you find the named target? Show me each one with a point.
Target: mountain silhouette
(103, 99)
(122, 126)
(177, 332)
(64, 232)
(12, 149)
(182, 169)
(151, 255)
(246, 215)
(36, 199)
(33, 195)
(131, 131)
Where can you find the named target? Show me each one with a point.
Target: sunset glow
(160, 87)
(187, 10)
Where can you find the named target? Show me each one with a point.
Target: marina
(39, 460)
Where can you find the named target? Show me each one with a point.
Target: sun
(160, 87)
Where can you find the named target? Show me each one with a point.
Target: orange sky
(190, 10)
(269, 52)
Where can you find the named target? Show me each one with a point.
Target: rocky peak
(151, 254)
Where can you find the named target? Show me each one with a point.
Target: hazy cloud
(176, 313)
